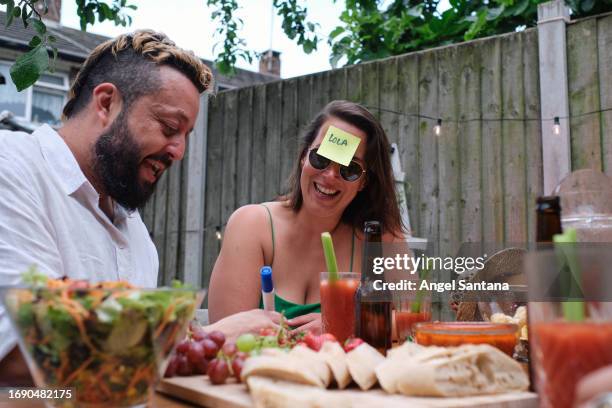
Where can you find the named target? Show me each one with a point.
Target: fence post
(554, 101)
(193, 233)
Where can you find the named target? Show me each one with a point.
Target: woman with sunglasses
(286, 234)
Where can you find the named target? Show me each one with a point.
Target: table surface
(159, 401)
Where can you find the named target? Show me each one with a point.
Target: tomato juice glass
(338, 304)
(408, 312)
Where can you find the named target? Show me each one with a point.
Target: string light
(556, 126)
(218, 233)
(438, 127)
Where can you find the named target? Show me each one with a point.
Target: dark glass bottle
(373, 307)
(548, 218)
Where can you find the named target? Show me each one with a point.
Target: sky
(188, 23)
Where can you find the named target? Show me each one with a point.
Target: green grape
(269, 341)
(246, 342)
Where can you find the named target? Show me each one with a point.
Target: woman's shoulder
(251, 215)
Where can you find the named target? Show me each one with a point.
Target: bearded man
(69, 198)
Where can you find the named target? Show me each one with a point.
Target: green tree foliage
(368, 30)
(28, 67)
(372, 29)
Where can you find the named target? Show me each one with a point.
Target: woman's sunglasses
(352, 172)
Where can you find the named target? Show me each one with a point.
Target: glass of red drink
(564, 352)
(338, 304)
(408, 312)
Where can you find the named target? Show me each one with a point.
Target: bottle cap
(266, 279)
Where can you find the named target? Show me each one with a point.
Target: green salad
(108, 340)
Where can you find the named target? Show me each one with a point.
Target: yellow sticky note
(339, 146)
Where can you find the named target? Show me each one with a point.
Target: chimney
(55, 10)
(269, 63)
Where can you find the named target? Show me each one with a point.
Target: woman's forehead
(347, 127)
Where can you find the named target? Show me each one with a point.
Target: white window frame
(63, 89)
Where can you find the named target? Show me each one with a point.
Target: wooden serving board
(200, 391)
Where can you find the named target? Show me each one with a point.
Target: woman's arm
(235, 284)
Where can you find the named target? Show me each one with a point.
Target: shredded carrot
(164, 321)
(76, 372)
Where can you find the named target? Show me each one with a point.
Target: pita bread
(362, 361)
(461, 371)
(335, 357)
(270, 393)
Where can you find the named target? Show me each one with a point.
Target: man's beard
(117, 166)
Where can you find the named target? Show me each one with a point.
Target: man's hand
(308, 322)
(14, 371)
(246, 322)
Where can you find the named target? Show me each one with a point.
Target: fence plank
(273, 139)
(583, 88)
(289, 132)
(408, 129)
(533, 134)
(230, 131)
(214, 158)
(370, 86)
(258, 146)
(320, 93)
(173, 213)
(604, 46)
(513, 157)
(469, 142)
(428, 98)
(244, 140)
(304, 95)
(337, 84)
(492, 203)
(388, 98)
(159, 222)
(353, 83)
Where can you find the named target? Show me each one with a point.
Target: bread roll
(335, 357)
(362, 362)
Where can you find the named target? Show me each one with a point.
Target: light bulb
(557, 126)
(438, 127)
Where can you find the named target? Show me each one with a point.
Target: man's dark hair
(131, 62)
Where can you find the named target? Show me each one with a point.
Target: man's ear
(106, 103)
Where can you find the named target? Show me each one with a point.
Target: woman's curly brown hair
(130, 62)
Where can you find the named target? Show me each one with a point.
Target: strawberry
(267, 331)
(328, 337)
(313, 341)
(352, 343)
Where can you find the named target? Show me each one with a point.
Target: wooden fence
(476, 181)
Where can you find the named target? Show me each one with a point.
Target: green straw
(573, 311)
(330, 256)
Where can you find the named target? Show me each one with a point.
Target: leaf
(336, 32)
(16, 12)
(27, 68)
(587, 5)
(39, 26)
(34, 41)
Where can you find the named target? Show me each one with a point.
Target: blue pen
(267, 288)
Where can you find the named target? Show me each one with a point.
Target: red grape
(195, 353)
(172, 366)
(218, 371)
(210, 348)
(201, 366)
(183, 368)
(199, 334)
(237, 367)
(229, 349)
(183, 347)
(217, 337)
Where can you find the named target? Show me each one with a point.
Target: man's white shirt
(50, 217)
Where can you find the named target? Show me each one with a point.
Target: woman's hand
(250, 321)
(308, 322)
(594, 387)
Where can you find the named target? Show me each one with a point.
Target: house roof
(75, 45)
